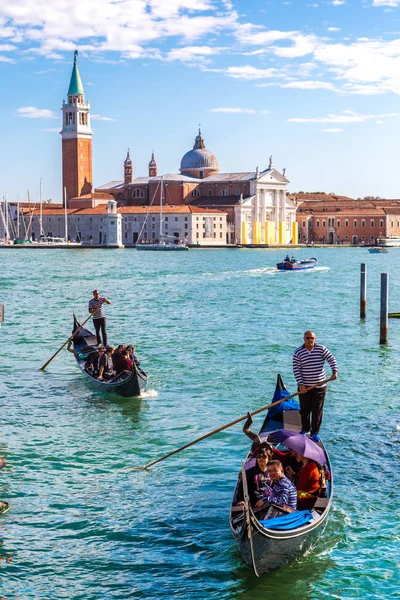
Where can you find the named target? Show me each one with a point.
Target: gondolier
(308, 369)
(96, 307)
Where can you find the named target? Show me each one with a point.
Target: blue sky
(314, 84)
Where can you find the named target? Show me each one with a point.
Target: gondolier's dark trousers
(100, 324)
(312, 403)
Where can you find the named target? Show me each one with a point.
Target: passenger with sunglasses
(308, 368)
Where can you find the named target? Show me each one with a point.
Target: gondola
(270, 543)
(297, 265)
(127, 384)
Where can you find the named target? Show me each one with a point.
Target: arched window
(355, 222)
(372, 223)
(363, 223)
(323, 223)
(317, 223)
(338, 223)
(346, 223)
(209, 192)
(381, 223)
(195, 193)
(137, 193)
(223, 193)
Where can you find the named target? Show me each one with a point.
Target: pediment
(272, 176)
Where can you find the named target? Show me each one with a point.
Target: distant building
(344, 220)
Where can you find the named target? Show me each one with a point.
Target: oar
(42, 368)
(207, 435)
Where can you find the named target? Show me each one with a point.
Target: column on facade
(256, 222)
(276, 208)
(282, 223)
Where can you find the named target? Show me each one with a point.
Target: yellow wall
(295, 232)
(256, 232)
(282, 232)
(244, 239)
(269, 232)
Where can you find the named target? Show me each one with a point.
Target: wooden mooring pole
(363, 291)
(384, 323)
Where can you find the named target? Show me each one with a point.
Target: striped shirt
(93, 304)
(308, 365)
(281, 492)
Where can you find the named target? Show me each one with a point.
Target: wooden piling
(384, 322)
(363, 291)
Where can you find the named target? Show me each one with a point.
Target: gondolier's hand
(333, 376)
(302, 389)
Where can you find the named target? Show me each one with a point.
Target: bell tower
(76, 137)
(128, 169)
(153, 169)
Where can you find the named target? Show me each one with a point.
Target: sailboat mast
(40, 211)
(66, 217)
(17, 215)
(161, 209)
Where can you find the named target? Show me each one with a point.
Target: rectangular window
(381, 223)
(176, 218)
(220, 235)
(166, 218)
(186, 225)
(153, 218)
(338, 223)
(346, 223)
(186, 218)
(197, 234)
(304, 223)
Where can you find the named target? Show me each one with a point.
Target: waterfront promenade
(212, 330)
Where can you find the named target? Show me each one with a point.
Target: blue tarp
(291, 404)
(290, 521)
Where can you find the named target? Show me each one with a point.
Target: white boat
(390, 242)
(161, 245)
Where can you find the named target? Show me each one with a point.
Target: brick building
(334, 219)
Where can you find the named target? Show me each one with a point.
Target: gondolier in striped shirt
(308, 368)
(96, 307)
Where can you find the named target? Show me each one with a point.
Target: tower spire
(128, 169)
(153, 168)
(75, 84)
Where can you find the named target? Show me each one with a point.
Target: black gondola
(270, 543)
(126, 384)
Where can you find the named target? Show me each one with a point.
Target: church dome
(199, 158)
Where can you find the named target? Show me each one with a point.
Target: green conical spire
(75, 85)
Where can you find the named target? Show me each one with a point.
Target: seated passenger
(118, 353)
(106, 367)
(287, 257)
(308, 482)
(279, 491)
(123, 362)
(256, 478)
(132, 355)
(293, 259)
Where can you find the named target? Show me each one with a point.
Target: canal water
(213, 328)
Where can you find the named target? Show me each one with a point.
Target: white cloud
(249, 72)
(101, 118)
(247, 111)
(332, 130)
(386, 3)
(333, 28)
(191, 54)
(309, 85)
(338, 2)
(348, 116)
(31, 112)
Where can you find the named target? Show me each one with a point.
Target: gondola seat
(289, 521)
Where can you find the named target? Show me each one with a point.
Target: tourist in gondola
(308, 369)
(256, 477)
(308, 481)
(96, 308)
(106, 366)
(279, 491)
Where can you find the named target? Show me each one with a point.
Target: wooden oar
(207, 435)
(42, 368)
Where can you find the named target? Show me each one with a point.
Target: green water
(212, 328)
